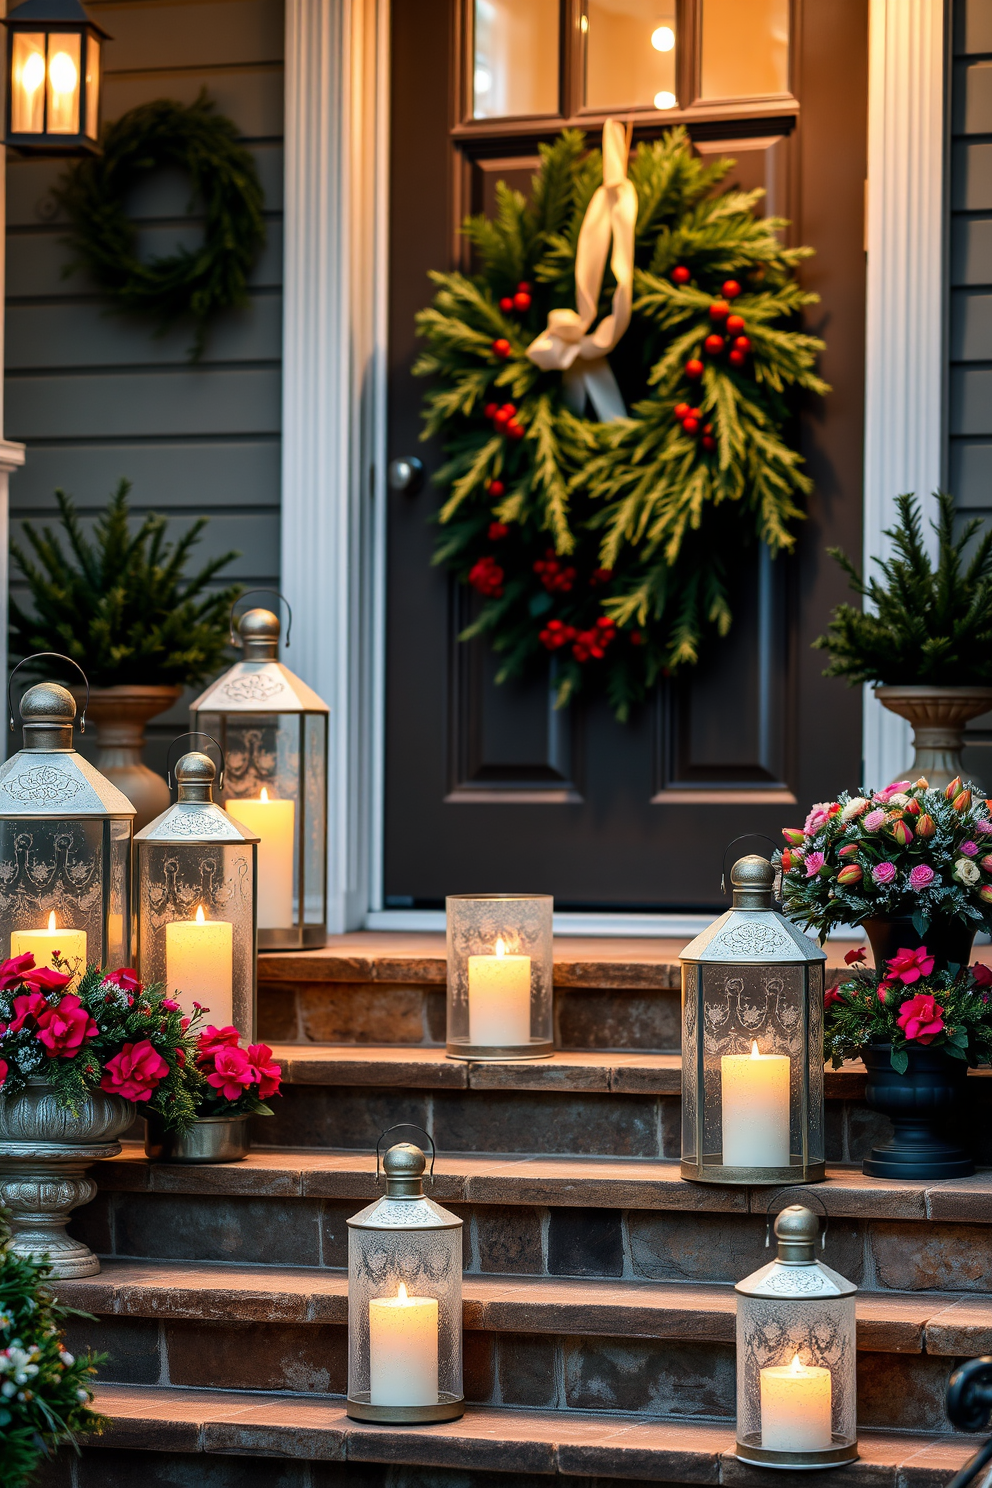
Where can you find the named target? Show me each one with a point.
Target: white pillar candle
(403, 1350)
(754, 1109)
(796, 1408)
(498, 1000)
(273, 822)
(70, 944)
(199, 966)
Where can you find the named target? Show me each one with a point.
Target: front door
(489, 787)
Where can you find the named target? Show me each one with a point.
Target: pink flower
(12, 971)
(883, 873)
(29, 1005)
(969, 848)
(818, 815)
(920, 877)
(981, 975)
(170, 1006)
(232, 1072)
(873, 821)
(896, 788)
(908, 966)
(267, 1072)
(212, 1039)
(814, 862)
(4, 1067)
(853, 957)
(126, 978)
(921, 1018)
(65, 1029)
(134, 1072)
(831, 996)
(983, 825)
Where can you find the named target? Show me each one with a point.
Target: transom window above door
(566, 59)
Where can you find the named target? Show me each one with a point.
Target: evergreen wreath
(611, 546)
(195, 282)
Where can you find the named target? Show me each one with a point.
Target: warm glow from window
(664, 100)
(629, 53)
(663, 38)
(515, 61)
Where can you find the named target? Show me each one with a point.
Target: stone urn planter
(916, 1102)
(44, 1154)
(120, 716)
(212, 1139)
(938, 716)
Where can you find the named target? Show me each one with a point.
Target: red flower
(556, 634)
(169, 1006)
(30, 1005)
(126, 978)
(21, 969)
(267, 1072)
(212, 1039)
(134, 1072)
(486, 577)
(12, 971)
(831, 996)
(232, 1073)
(908, 966)
(921, 1018)
(853, 958)
(4, 1067)
(65, 1029)
(981, 975)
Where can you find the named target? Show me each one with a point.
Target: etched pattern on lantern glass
(690, 1050)
(263, 752)
(58, 865)
(429, 1264)
(524, 925)
(315, 825)
(817, 1139)
(769, 1335)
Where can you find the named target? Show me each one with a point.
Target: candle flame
(796, 1367)
(754, 1055)
(51, 920)
(500, 947)
(401, 1294)
(200, 916)
(265, 795)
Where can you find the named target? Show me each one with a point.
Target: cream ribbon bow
(565, 345)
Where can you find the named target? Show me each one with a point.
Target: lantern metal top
(405, 1206)
(260, 683)
(47, 777)
(753, 931)
(53, 13)
(795, 1271)
(195, 816)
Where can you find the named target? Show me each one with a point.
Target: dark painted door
(488, 787)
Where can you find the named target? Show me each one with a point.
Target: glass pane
(92, 86)
(516, 58)
(27, 99)
(745, 48)
(630, 53)
(63, 84)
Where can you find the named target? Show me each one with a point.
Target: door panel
(488, 786)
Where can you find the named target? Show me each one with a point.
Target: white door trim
(333, 408)
(904, 332)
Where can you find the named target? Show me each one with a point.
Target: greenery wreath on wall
(611, 544)
(193, 283)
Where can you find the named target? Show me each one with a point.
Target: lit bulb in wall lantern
(53, 42)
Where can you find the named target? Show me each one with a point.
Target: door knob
(405, 474)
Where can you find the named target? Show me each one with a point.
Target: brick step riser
(523, 1240)
(644, 1376)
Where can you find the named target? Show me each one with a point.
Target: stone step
(168, 1425)
(542, 1216)
(588, 1102)
(529, 1342)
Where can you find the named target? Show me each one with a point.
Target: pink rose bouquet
(907, 1005)
(903, 852)
(109, 1032)
(236, 1081)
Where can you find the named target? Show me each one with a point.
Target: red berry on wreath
(742, 344)
(496, 489)
(502, 347)
(680, 274)
(730, 289)
(708, 442)
(691, 425)
(736, 358)
(490, 411)
(521, 300)
(497, 530)
(501, 418)
(707, 428)
(486, 577)
(636, 639)
(714, 345)
(506, 304)
(694, 368)
(523, 287)
(515, 430)
(719, 310)
(735, 324)
(695, 413)
(680, 410)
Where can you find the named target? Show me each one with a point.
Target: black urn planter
(916, 1103)
(950, 942)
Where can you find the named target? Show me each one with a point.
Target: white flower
(853, 808)
(82, 1394)
(8, 1390)
(899, 799)
(966, 871)
(66, 1358)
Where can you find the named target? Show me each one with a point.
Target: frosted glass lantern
(752, 1043)
(500, 976)
(65, 844)
(195, 902)
(796, 1356)
(273, 730)
(405, 1301)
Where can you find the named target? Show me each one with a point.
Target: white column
(905, 292)
(333, 403)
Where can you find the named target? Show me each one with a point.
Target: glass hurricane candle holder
(796, 1356)
(500, 976)
(752, 1043)
(273, 730)
(405, 1300)
(195, 902)
(65, 844)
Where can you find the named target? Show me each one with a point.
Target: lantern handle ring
(196, 734)
(289, 626)
(742, 838)
(405, 1126)
(793, 1190)
(37, 657)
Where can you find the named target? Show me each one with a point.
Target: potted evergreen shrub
(124, 607)
(926, 640)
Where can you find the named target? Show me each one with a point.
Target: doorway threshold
(657, 926)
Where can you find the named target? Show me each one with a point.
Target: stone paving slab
(509, 1441)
